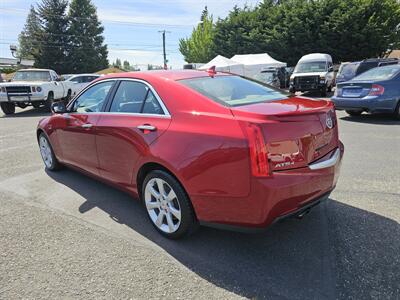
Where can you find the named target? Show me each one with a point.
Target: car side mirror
(58, 108)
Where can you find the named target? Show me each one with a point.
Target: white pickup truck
(34, 87)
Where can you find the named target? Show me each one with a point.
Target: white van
(313, 72)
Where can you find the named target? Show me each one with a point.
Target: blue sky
(131, 26)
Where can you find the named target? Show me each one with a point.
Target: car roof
(164, 74)
(32, 69)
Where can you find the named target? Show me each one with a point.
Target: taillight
(258, 151)
(376, 90)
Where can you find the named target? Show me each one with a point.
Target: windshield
(233, 90)
(379, 73)
(31, 76)
(310, 66)
(267, 77)
(347, 70)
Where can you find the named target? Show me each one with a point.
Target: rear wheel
(8, 108)
(36, 104)
(46, 151)
(49, 101)
(397, 112)
(354, 113)
(168, 206)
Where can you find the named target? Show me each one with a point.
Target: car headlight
(38, 89)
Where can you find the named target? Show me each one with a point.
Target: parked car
(347, 71)
(199, 147)
(313, 72)
(80, 81)
(374, 91)
(270, 77)
(33, 87)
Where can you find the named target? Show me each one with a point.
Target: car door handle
(147, 127)
(87, 125)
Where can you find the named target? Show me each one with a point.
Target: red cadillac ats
(199, 147)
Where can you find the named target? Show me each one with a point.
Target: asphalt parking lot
(64, 235)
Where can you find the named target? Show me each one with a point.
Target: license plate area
(353, 92)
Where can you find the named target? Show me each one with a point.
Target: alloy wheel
(46, 152)
(162, 205)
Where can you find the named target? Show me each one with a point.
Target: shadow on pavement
(378, 119)
(334, 252)
(28, 112)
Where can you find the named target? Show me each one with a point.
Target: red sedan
(199, 147)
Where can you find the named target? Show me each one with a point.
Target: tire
(164, 213)
(292, 90)
(49, 101)
(36, 104)
(46, 152)
(68, 97)
(354, 113)
(397, 112)
(323, 91)
(8, 108)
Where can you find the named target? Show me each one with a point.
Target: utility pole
(164, 52)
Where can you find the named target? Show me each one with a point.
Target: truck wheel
(8, 108)
(68, 97)
(292, 90)
(323, 91)
(49, 101)
(36, 104)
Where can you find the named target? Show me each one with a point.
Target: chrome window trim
(134, 114)
(71, 103)
(327, 163)
(160, 102)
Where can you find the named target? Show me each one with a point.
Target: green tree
(87, 51)
(29, 36)
(199, 47)
(52, 42)
(117, 63)
(287, 29)
(126, 65)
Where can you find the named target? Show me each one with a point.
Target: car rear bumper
(369, 104)
(284, 194)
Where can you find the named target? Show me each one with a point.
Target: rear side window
(135, 97)
(379, 73)
(233, 90)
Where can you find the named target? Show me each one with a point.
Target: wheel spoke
(160, 218)
(160, 185)
(175, 212)
(171, 195)
(154, 192)
(152, 205)
(170, 222)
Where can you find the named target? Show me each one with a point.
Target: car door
(136, 117)
(77, 138)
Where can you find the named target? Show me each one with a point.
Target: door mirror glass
(58, 108)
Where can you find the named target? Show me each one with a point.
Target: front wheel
(8, 108)
(323, 91)
(354, 113)
(168, 206)
(292, 90)
(46, 151)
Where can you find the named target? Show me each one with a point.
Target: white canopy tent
(255, 63)
(223, 64)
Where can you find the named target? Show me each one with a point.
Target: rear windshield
(348, 70)
(31, 76)
(233, 90)
(379, 73)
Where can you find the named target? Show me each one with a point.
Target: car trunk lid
(353, 89)
(296, 131)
